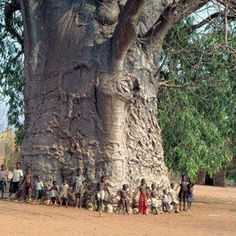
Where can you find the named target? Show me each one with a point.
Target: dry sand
(213, 213)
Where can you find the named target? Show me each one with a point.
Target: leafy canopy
(197, 98)
(11, 73)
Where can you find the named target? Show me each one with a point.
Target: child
(143, 197)
(174, 200)
(190, 194)
(165, 201)
(54, 193)
(183, 192)
(154, 202)
(64, 193)
(39, 187)
(101, 190)
(16, 180)
(28, 185)
(79, 188)
(123, 194)
(3, 178)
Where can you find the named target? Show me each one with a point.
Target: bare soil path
(213, 213)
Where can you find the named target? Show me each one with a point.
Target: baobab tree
(91, 79)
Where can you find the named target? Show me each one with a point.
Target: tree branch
(166, 84)
(9, 10)
(173, 13)
(125, 32)
(231, 4)
(210, 18)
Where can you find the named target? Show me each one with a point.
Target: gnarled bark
(90, 93)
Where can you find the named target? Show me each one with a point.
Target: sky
(3, 116)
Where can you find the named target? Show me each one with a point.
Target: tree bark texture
(90, 90)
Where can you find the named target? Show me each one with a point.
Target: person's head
(125, 187)
(65, 181)
(79, 172)
(39, 178)
(18, 165)
(184, 177)
(54, 183)
(153, 186)
(172, 185)
(28, 171)
(143, 181)
(103, 178)
(3, 167)
(164, 192)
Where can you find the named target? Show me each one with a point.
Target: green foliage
(197, 104)
(11, 74)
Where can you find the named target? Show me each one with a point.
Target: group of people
(166, 200)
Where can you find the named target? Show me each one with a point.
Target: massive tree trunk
(90, 89)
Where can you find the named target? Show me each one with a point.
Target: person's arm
(117, 194)
(58, 192)
(22, 177)
(7, 173)
(93, 189)
(108, 191)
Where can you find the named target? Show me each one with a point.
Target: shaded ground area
(213, 213)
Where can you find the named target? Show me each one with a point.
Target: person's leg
(36, 195)
(123, 205)
(66, 202)
(30, 193)
(175, 207)
(81, 194)
(26, 193)
(53, 200)
(127, 206)
(180, 204)
(100, 203)
(184, 204)
(140, 204)
(18, 190)
(11, 190)
(155, 209)
(145, 206)
(40, 194)
(77, 200)
(2, 188)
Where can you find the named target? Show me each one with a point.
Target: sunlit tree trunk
(90, 88)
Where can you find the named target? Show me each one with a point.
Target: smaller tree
(197, 99)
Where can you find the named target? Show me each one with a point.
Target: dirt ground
(213, 213)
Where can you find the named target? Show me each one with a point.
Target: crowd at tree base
(142, 200)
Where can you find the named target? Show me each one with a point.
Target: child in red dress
(142, 206)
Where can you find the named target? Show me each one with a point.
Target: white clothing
(101, 195)
(3, 175)
(17, 174)
(79, 183)
(39, 185)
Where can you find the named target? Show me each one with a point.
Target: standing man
(16, 180)
(3, 178)
(79, 187)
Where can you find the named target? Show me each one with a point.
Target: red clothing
(142, 206)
